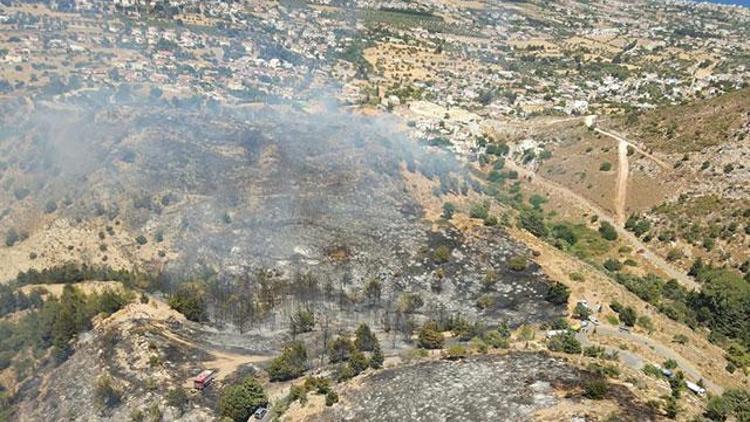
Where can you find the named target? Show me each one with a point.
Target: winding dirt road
(636, 362)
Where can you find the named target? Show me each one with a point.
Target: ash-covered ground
(509, 387)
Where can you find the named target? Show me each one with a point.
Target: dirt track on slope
(623, 170)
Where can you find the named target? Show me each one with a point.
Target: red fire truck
(204, 379)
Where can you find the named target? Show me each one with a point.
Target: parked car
(260, 413)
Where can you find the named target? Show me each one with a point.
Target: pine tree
(377, 358)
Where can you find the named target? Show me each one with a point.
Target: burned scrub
(488, 388)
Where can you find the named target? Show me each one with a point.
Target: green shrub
(566, 343)
(178, 399)
(358, 362)
(106, 395)
(518, 263)
(557, 293)
(479, 211)
(607, 231)
(605, 166)
(365, 340)
(564, 232)
(593, 351)
(495, 339)
(442, 254)
(581, 311)
(377, 358)
(612, 265)
(645, 323)
(595, 389)
(456, 352)
(448, 210)
(576, 276)
(628, 316)
(189, 301)
(331, 398)
(11, 237)
(340, 349)
(533, 222)
(50, 207)
(680, 339)
(430, 337)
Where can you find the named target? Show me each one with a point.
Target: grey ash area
(490, 388)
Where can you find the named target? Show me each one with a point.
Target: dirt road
(623, 170)
(640, 150)
(636, 362)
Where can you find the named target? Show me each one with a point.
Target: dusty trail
(623, 170)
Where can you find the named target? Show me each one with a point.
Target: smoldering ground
(272, 188)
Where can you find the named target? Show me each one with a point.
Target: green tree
(238, 402)
(291, 364)
(377, 358)
(189, 301)
(340, 349)
(365, 340)
(301, 321)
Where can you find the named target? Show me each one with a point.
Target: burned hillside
(316, 196)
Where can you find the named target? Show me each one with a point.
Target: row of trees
(76, 273)
(353, 356)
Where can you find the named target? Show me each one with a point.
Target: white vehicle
(695, 388)
(554, 333)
